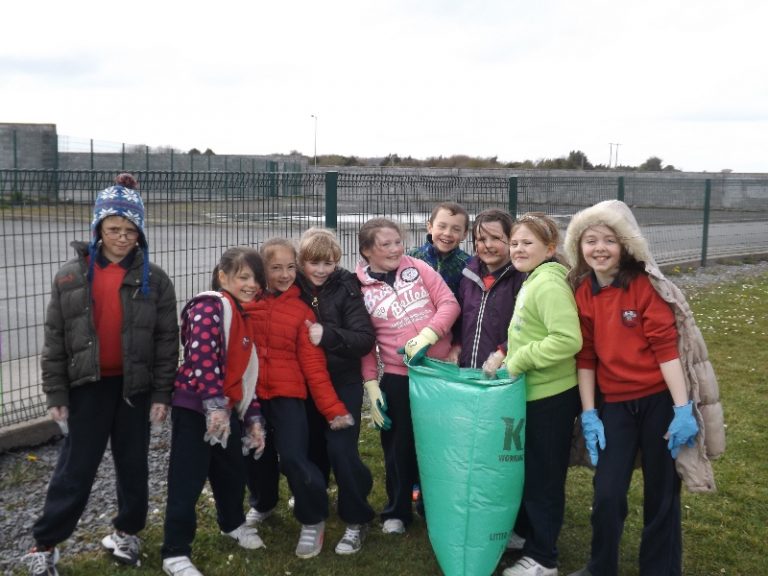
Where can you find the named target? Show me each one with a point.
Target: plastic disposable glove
(378, 405)
(416, 348)
(594, 433)
(217, 413)
(255, 436)
(683, 429)
(493, 363)
(341, 422)
(315, 332)
(60, 415)
(157, 415)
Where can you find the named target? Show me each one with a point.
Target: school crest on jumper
(629, 318)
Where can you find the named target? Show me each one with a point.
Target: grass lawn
(724, 533)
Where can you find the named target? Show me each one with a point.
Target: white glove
(217, 414)
(315, 332)
(493, 363)
(60, 415)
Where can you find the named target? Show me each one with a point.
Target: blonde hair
(319, 245)
(269, 247)
(544, 228)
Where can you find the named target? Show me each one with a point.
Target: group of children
(277, 355)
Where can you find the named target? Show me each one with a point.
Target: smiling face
(317, 272)
(281, 269)
(242, 284)
(386, 252)
(492, 245)
(447, 230)
(601, 250)
(527, 250)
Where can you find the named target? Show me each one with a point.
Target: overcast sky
(682, 80)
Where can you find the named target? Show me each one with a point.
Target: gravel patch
(24, 473)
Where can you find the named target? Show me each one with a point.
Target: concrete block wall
(28, 146)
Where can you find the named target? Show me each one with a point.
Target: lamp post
(315, 154)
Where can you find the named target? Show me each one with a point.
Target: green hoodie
(544, 334)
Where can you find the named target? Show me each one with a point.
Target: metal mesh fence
(192, 217)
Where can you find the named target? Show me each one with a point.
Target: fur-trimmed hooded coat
(693, 463)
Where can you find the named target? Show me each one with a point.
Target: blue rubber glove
(594, 433)
(416, 348)
(683, 429)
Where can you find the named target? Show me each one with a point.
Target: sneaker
(393, 526)
(310, 540)
(515, 542)
(180, 566)
(124, 547)
(247, 536)
(291, 502)
(352, 541)
(255, 517)
(42, 562)
(583, 572)
(527, 566)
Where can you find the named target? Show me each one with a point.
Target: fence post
(122, 158)
(620, 195)
(331, 207)
(512, 196)
(705, 231)
(146, 154)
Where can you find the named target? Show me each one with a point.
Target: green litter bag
(470, 434)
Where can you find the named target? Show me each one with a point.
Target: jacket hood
(552, 268)
(616, 215)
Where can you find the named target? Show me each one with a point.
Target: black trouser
(339, 449)
(97, 414)
(548, 431)
(192, 461)
(264, 476)
(399, 448)
(288, 418)
(631, 426)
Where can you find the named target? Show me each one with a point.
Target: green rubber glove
(378, 405)
(416, 348)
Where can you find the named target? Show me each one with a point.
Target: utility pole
(610, 154)
(315, 117)
(616, 160)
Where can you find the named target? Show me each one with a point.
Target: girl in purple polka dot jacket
(216, 417)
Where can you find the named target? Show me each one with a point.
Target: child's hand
(60, 415)
(255, 437)
(378, 405)
(315, 332)
(217, 415)
(453, 354)
(416, 348)
(683, 429)
(493, 363)
(341, 422)
(594, 433)
(157, 415)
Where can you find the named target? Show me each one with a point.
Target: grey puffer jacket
(150, 333)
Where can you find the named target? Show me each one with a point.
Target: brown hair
(544, 228)
(269, 247)
(366, 237)
(235, 259)
(629, 267)
(492, 215)
(453, 208)
(319, 245)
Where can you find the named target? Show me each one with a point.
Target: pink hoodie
(420, 298)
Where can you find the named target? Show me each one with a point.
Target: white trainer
(180, 566)
(515, 542)
(255, 517)
(310, 540)
(393, 526)
(527, 566)
(247, 536)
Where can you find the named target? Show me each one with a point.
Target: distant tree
(194, 152)
(653, 164)
(209, 152)
(577, 160)
(670, 168)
